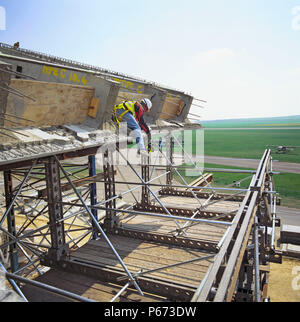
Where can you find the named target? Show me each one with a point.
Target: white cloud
(235, 83)
(214, 56)
(236, 86)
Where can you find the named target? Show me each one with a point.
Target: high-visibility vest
(128, 107)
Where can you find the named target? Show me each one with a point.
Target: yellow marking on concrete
(64, 74)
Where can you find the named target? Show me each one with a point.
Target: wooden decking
(85, 286)
(202, 232)
(139, 254)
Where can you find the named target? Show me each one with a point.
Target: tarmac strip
(253, 164)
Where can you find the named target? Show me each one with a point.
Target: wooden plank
(98, 290)
(103, 250)
(138, 262)
(135, 259)
(201, 181)
(192, 203)
(84, 286)
(93, 108)
(201, 231)
(135, 266)
(172, 108)
(125, 243)
(55, 104)
(201, 236)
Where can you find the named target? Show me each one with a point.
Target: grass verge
(286, 184)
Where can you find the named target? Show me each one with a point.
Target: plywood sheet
(55, 104)
(172, 108)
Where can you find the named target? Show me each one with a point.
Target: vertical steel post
(93, 193)
(110, 190)
(169, 152)
(59, 247)
(11, 225)
(256, 262)
(101, 230)
(182, 147)
(146, 178)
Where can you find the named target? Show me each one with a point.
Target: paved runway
(288, 216)
(253, 164)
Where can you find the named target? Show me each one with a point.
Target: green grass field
(247, 144)
(287, 121)
(238, 141)
(286, 184)
(251, 144)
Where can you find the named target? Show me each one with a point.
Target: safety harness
(128, 107)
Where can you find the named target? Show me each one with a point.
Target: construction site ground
(284, 279)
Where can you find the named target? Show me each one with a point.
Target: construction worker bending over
(132, 113)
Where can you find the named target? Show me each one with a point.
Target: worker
(132, 113)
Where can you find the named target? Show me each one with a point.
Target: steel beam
(167, 239)
(110, 190)
(145, 200)
(169, 152)
(93, 191)
(11, 225)
(186, 212)
(233, 250)
(59, 248)
(101, 231)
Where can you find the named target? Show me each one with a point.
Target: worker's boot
(143, 153)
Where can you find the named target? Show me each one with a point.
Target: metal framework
(51, 210)
(55, 205)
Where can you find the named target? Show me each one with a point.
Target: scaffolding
(81, 220)
(51, 212)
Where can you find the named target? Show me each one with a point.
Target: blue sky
(242, 56)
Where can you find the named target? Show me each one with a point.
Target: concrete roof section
(50, 106)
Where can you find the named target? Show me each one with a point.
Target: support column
(182, 145)
(110, 190)
(59, 247)
(146, 177)
(93, 193)
(169, 153)
(11, 225)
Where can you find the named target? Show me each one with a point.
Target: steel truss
(51, 209)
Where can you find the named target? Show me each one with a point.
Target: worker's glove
(150, 148)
